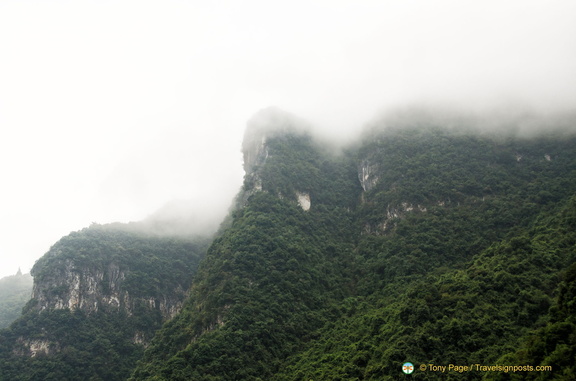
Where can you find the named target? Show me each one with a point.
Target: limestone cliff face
(105, 269)
(368, 174)
(125, 284)
(90, 289)
(268, 123)
(265, 125)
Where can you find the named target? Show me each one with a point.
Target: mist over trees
(435, 237)
(15, 292)
(435, 240)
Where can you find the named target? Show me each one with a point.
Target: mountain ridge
(99, 295)
(417, 201)
(344, 264)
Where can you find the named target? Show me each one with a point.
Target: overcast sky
(110, 109)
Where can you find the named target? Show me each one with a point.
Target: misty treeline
(431, 239)
(458, 252)
(98, 298)
(15, 291)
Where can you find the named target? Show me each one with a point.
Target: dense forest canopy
(432, 240)
(425, 243)
(99, 296)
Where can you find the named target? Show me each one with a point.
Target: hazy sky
(109, 109)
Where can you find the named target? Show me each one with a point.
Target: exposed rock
(140, 338)
(89, 289)
(38, 346)
(368, 174)
(303, 200)
(35, 347)
(263, 126)
(393, 213)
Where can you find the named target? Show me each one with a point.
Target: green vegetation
(97, 340)
(154, 265)
(455, 247)
(15, 291)
(81, 347)
(454, 316)
(267, 281)
(452, 255)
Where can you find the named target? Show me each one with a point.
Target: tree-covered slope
(99, 296)
(15, 291)
(462, 248)
(430, 240)
(423, 243)
(472, 315)
(270, 280)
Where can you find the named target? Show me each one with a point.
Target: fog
(504, 121)
(111, 110)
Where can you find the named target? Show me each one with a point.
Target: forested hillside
(99, 296)
(15, 291)
(429, 240)
(423, 243)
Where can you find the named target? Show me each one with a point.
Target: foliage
(60, 344)
(15, 291)
(460, 249)
(266, 283)
(452, 256)
(455, 316)
(154, 264)
(553, 343)
(95, 347)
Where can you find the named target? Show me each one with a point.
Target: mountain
(435, 239)
(99, 295)
(15, 291)
(432, 240)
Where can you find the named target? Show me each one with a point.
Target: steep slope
(430, 240)
(99, 295)
(474, 315)
(267, 283)
(15, 291)
(461, 250)
(344, 267)
(553, 342)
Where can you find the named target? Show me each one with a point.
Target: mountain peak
(265, 124)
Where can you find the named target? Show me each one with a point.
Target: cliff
(268, 126)
(334, 260)
(105, 269)
(422, 242)
(101, 293)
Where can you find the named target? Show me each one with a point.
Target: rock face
(102, 272)
(99, 296)
(101, 268)
(368, 174)
(303, 200)
(267, 124)
(90, 289)
(35, 347)
(392, 215)
(261, 129)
